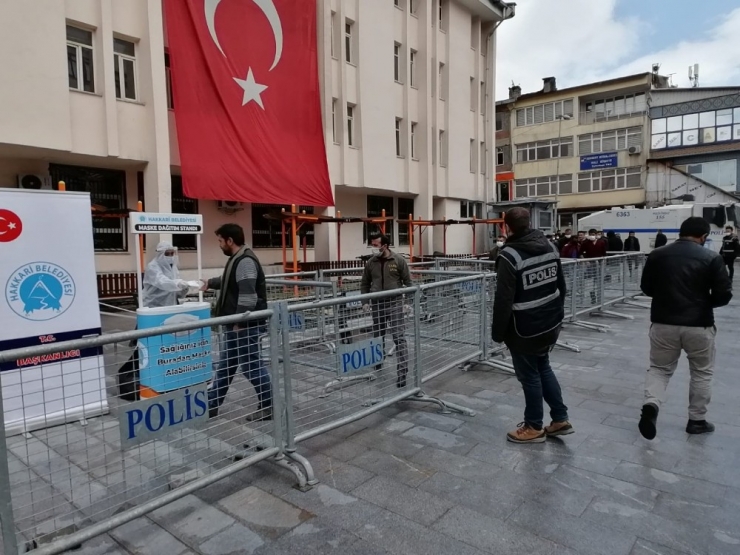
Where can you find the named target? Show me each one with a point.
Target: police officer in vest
(527, 316)
(241, 289)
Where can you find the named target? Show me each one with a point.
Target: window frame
(557, 108)
(441, 79)
(168, 77)
(705, 129)
(442, 149)
(349, 28)
(500, 156)
(272, 229)
(351, 125)
(399, 138)
(403, 230)
(531, 152)
(413, 141)
(79, 63)
(389, 203)
(597, 179)
(119, 71)
(483, 161)
(397, 69)
(335, 135)
(554, 184)
(412, 68)
(473, 156)
(625, 135)
(182, 205)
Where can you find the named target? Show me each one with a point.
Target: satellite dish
(31, 182)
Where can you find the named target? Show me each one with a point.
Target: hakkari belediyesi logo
(40, 291)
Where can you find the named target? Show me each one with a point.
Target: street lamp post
(560, 119)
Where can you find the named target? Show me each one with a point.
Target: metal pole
(287, 376)
(417, 338)
(483, 321)
(200, 264)
(277, 400)
(557, 176)
(7, 521)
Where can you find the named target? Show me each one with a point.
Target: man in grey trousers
(686, 282)
(387, 271)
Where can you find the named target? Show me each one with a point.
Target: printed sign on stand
(49, 294)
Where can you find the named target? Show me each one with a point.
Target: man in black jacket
(660, 239)
(686, 282)
(729, 250)
(632, 244)
(241, 289)
(527, 316)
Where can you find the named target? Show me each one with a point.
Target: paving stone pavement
(409, 480)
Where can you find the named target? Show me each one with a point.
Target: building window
(412, 68)
(544, 150)
(483, 157)
(609, 180)
(348, 31)
(722, 173)
(696, 129)
(442, 82)
(483, 98)
(499, 156)
(124, 60)
(405, 211)
(375, 207)
(473, 164)
(499, 122)
(80, 59)
(442, 22)
(168, 77)
(442, 149)
(350, 125)
(544, 113)
(334, 121)
(397, 62)
(413, 6)
(333, 32)
(107, 190)
(267, 231)
(413, 141)
(544, 186)
(399, 4)
(183, 205)
(609, 141)
(473, 103)
(617, 107)
(399, 134)
(471, 209)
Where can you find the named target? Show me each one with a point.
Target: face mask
(567, 236)
(598, 236)
(499, 243)
(169, 259)
(591, 238)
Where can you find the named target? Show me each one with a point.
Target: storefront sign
(149, 222)
(599, 161)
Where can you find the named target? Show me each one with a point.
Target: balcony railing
(585, 118)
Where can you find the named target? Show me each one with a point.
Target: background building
(694, 144)
(584, 146)
(407, 104)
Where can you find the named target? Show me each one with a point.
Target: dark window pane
(405, 209)
(124, 47)
(88, 82)
(267, 231)
(107, 190)
(117, 79)
(72, 66)
(79, 35)
(183, 205)
(128, 79)
(375, 207)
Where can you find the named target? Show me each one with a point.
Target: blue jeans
(240, 349)
(539, 382)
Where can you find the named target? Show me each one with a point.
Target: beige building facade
(585, 147)
(407, 101)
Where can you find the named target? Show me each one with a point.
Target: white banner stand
(174, 361)
(49, 294)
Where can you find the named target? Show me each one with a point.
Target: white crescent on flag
(267, 7)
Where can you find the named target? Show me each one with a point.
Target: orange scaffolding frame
(296, 220)
(421, 224)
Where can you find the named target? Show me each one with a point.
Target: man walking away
(729, 250)
(613, 242)
(241, 289)
(686, 283)
(527, 316)
(660, 239)
(632, 243)
(387, 271)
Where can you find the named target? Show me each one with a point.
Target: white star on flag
(252, 89)
(11, 225)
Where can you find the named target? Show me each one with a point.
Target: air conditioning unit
(34, 182)
(230, 206)
(634, 150)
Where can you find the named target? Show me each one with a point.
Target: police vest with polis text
(537, 308)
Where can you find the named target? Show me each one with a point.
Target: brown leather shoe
(555, 429)
(524, 433)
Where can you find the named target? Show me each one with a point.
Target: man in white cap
(162, 283)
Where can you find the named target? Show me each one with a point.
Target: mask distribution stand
(171, 361)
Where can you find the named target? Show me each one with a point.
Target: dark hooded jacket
(543, 323)
(614, 243)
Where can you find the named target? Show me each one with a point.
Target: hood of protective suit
(162, 279)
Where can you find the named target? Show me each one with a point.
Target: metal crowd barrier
(63, 485)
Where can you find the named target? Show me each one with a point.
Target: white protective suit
(162, 283)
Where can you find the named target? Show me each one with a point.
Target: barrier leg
(7, 521)
(445, 406)
(296, 464)
(568, 346)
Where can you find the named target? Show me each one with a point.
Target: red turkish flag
(247, 104)
(11, 226)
